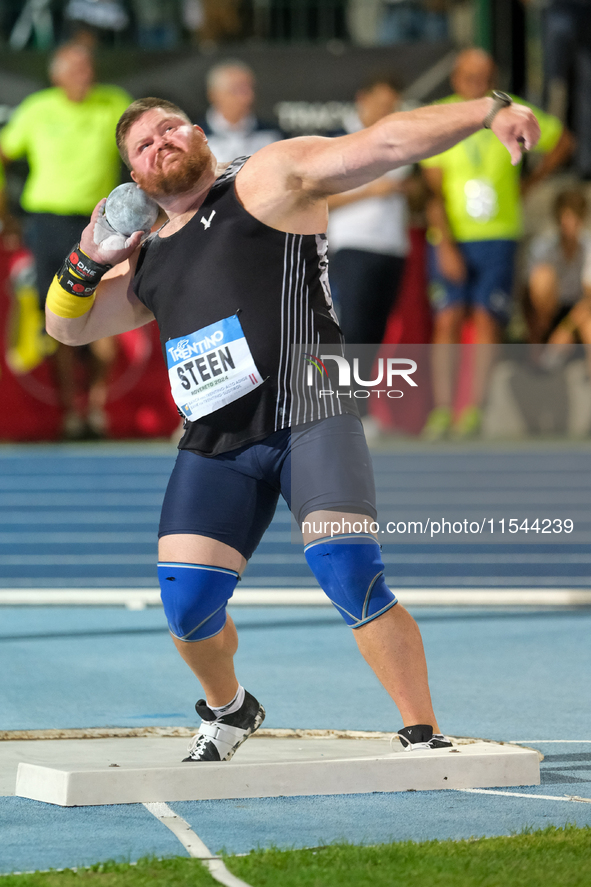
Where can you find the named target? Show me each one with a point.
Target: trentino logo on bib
(210, 368)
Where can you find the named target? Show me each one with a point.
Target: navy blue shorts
(232, 497)
(489, 284)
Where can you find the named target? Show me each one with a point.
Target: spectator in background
(27, 343)
(367, 233)
(475, 223)
(67, 135)
(559, 280)
(231, 127)
(566, 41)
(367, 236)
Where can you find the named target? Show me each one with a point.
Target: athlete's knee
(351, 572)
(194, 597)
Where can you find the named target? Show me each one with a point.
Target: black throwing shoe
(421, 736)
(218, 738)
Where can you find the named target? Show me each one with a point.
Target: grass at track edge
(545, 858)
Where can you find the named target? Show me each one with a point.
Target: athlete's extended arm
(115, 309)
(319, 166)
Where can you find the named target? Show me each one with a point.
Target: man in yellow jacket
(475, 223)
(67, 135)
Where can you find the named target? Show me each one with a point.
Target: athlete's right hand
(105, 245)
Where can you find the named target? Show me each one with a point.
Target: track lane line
(193, 844)
(487, 791)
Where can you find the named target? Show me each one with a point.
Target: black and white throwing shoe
(218, 738)
(421, 736)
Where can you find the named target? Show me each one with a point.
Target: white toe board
(126, 771)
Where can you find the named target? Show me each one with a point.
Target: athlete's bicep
(332, 166)
(320, 166)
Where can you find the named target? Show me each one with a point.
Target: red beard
(180, 177)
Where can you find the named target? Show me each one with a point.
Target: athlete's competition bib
(211, 368)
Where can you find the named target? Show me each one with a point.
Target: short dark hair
(572, 199)
(134, 112)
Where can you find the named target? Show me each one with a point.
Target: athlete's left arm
(322, 166)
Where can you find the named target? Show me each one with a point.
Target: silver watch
(500, 100)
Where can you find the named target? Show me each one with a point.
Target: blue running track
(87, 517)
(508, 674)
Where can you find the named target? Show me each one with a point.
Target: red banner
(138, 396)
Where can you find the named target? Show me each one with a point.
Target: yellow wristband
(66, 304)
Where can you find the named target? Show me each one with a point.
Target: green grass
(549, 857)
(178, 871)
(552, 857)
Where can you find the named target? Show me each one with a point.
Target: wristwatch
(500, 100)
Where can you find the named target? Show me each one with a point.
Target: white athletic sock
(230, 707)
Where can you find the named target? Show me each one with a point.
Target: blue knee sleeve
(350, 571)
(194, 598)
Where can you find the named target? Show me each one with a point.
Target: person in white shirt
(367, 232)
(368, 241)
(231, 127)
(559, 278)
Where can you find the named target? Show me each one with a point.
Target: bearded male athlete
(235, 278)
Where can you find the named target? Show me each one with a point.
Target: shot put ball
(129, 209)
